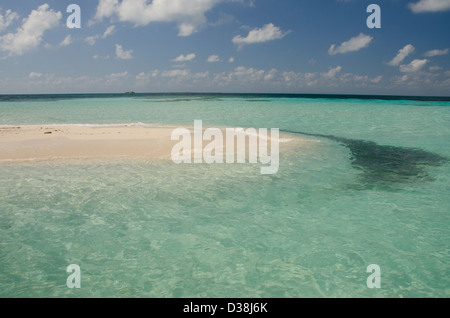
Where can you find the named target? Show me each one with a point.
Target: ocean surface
(373, 189)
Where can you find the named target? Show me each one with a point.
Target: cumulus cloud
(34, 75)
(354, 44)
(248, 73)
(377, 79)
(7, 19)
(332, 72)
(106, 8)
(271, 74)
(122, 54)
(117, 75)
(414, 66)
(241, 75)
(186, 29)
(143, 76)
(116, 78)
(91, 39)
(175, 73)
(213, 58)
(109, 31)
(268, 32)
(67, 41)
(184, 58)
(29, 35)
(189, 15)
(435, 68)
(143, 79)
(231, 60)
(247, 77)
(430, 6)
(432, 53)
(201, 75)
(96, 57)
(402, 54)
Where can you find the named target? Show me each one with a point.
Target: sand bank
(43, 142)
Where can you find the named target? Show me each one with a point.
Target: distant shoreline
(20, 97)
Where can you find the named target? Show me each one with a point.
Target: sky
(230, 46)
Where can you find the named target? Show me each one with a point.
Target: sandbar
(58, 141)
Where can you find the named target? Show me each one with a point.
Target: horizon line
(347, 95)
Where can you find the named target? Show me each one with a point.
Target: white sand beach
(44, 142)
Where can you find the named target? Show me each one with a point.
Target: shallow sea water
(151, 228)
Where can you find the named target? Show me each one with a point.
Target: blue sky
(284, 46)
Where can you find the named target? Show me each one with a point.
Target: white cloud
(243, 72)
(225, 18)
(376, 79)
(91, 39)
(435, 68)
(186, 29)
(7, 19)
(52, 83)
(357, 77)
(291, 76)
(117, 75)
(402, 54)
(332, 72)
(213, 58)
(189, 15)
(34, 75)
(96, 57)
(184, 58)
(116, 78)
(404, 78)
(432, 53)
(106, 8)
(270, 75)
(142, 76)
(123, 55)
(242, 78)
(29, 35)
(201, 75)
(175, 73)
(354, 44)
(109, 31)
(67, 41)
(268, 32)
(430, 6)
(143, 79)
(414, 66)
(231, 60)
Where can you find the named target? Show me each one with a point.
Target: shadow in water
(384, 164)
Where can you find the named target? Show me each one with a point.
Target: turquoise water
(373, 189)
